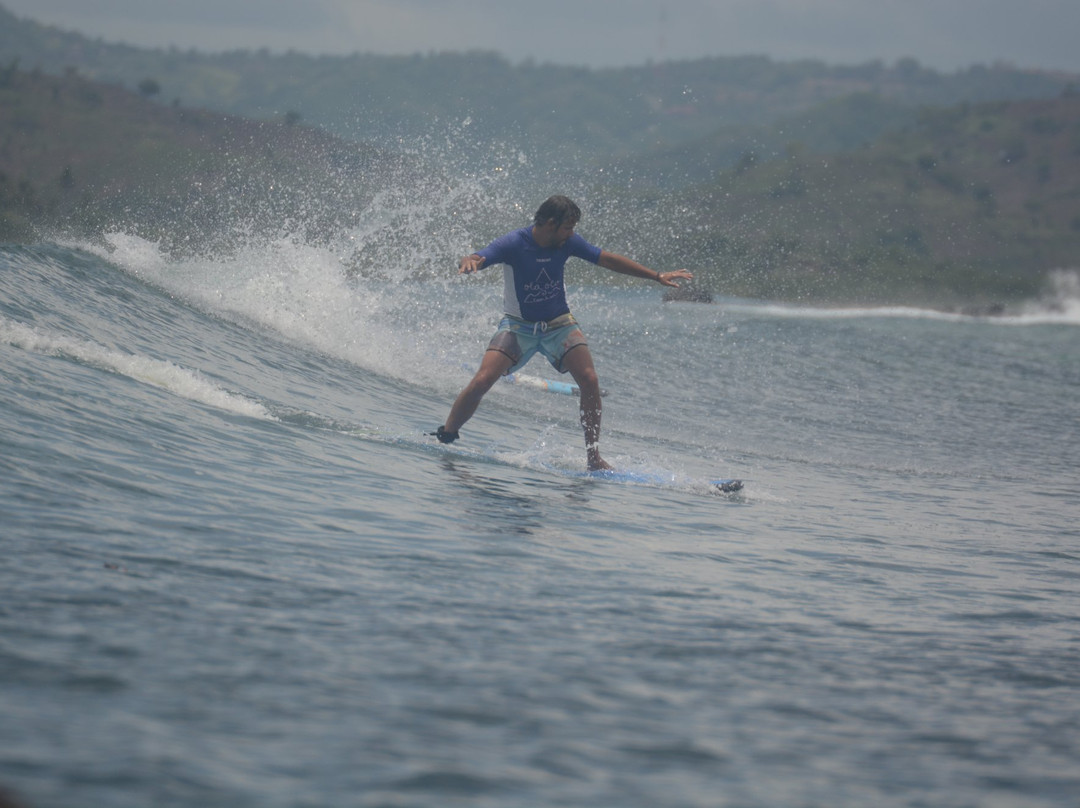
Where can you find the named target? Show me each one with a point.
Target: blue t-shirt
(533, 286)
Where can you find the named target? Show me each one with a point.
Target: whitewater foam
(1058, 305)
(308, 295)
(178, 380)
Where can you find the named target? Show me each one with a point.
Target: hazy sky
(944, 34)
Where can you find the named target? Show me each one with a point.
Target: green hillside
(972, 204)
(558, 115)
(81, 157)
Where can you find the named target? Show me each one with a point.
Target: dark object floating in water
(984, 310)
(688, 293)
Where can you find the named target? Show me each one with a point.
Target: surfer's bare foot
(599, 464)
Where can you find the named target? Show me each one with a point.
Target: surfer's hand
(669, 278)
(470, 263)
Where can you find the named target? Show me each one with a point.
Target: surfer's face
(552, 234)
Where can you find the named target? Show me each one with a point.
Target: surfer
(537, 316)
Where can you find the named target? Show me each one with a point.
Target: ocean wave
(178, 380)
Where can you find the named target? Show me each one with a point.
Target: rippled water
(237, 573)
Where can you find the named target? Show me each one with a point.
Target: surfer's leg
(579, 362)
(494, 365)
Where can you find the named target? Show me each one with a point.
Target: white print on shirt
(544, 288)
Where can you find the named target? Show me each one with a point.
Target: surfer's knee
(481, 383)
(588, 381)
(579, 362)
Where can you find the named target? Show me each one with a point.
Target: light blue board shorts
(521, 340)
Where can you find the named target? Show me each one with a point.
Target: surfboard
(425, 443)
(654, 479)
(726, 486)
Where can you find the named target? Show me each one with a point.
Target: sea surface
(237, 572)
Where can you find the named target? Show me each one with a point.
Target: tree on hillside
(149, 87)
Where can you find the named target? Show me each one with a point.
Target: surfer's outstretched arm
(628, 266)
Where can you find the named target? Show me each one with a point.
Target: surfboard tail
(550, 385)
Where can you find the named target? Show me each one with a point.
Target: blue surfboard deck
(655, 479)
(425, 443)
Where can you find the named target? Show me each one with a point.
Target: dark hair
(560, 208)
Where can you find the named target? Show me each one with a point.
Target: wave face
(237, 572)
